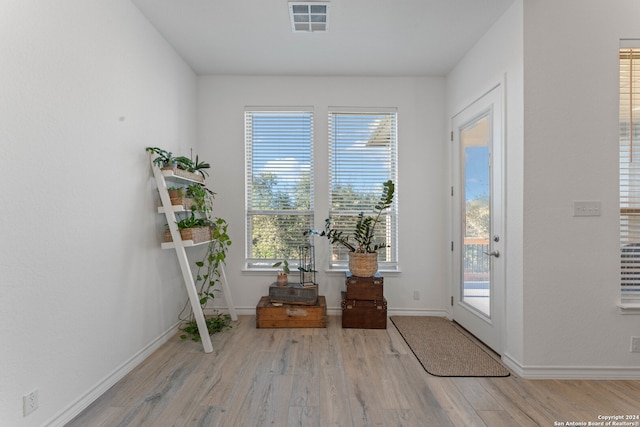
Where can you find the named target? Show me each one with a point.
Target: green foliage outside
(278, 236)
(478, 218)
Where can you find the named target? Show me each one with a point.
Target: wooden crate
(363, 314)
(290, 315)
(294, 293)
(365, 288)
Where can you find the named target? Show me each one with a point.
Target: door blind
(629, 135)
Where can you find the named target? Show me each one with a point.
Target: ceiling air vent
(309, 16)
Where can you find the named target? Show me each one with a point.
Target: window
(279, 184)
(362, 156)
(630, 171)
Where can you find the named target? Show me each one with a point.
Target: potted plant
(192, 228)
(196, 166)
(176, 193)
(181, 166)
(283, 273)
(163, 159)
(363, 255)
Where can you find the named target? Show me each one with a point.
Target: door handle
(495, 253)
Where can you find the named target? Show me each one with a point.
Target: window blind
(279, 184)
(629, 137)
(362, 156)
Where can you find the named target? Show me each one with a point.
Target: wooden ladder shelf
(169, 211)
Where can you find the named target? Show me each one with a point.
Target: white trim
(276, 109)
(571, 372)
(338, 109)
(628, 307)
(417, 312)
(629, 43)
(110, 380)
(337, 311)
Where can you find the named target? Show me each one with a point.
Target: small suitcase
(364, 314)
(365, 288)
(294, 294)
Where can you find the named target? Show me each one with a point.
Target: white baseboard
(571, 372)
(337, 311)
(106, 383)
(416, 312)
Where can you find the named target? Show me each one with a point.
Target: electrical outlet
(635, 345)
(416, 295)
(587, 208)
(30, 402)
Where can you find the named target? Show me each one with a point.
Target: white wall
(87, 85)
(561, 67)
(421, 187)
(84, 289)
(571, 278)
(498, 58)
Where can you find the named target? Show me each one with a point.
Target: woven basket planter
(185, 174)
(363, 264)
(185, 202)
(198, 235)
(179, 198)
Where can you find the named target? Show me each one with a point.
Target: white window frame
(374, 180)
(265, 263)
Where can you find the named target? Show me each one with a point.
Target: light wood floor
(334, 377)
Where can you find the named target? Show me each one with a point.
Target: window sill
(629, 307)
(342, 271)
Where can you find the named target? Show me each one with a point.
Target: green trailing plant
(215, 323)
(202, 198)
(363, 234)
(206, 278)
(193, 221)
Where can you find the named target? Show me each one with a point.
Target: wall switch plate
(587, 208)
(635, 345)
(416, 295)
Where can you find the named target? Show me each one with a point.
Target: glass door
(478, 237)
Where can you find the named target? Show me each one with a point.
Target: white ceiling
(364, 37)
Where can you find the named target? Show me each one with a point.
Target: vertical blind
(362, 156)
(629, 136)
(279, 184)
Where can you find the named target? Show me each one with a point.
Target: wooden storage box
(365, 288)
(364, 314)
(294, 293)
(290, 315)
